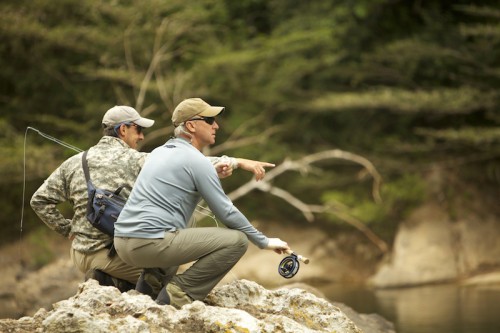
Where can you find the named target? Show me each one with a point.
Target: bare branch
(242, 129)
(158, 52)
(128, 50)
(149, 110)
(171, 87)
(344, 216)
(304, 166)
(307, 210)
(340, 154)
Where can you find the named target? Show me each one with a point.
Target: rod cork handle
(305, 260)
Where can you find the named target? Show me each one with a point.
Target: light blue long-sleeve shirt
(175, 177)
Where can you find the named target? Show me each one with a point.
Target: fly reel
(289, 266)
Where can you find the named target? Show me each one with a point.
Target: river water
(446, 308)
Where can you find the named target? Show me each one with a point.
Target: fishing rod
(51, 138)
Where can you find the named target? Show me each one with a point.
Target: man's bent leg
(223, 248)
(111, 266)
(215, 250)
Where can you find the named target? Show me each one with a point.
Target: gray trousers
(214, 252)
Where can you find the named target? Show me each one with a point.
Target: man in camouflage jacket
(113, 162)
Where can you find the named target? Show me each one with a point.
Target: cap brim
(212, 111)
(144, 122)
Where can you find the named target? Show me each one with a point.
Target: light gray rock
(240, 306)
(431, 248)
(423, 252)
(278, 306)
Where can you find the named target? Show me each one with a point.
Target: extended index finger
(267, 165)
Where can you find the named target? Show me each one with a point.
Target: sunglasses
(208, 120)
(137, 127)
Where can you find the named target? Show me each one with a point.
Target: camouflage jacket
(112, 163)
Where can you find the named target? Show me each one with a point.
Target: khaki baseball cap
(191, 107)
(125, 114)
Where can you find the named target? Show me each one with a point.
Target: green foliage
(400, 196)
(442, 101)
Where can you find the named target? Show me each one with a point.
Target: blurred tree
(405, 83)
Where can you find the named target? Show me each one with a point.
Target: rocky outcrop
(23, 292)
(240, 306)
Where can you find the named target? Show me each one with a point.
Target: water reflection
(431, 309)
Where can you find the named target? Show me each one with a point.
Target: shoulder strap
(86, 169)
(87, 174)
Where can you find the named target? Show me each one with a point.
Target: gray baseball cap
(125, 114)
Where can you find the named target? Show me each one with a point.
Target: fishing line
(206, 212)
(51, 138)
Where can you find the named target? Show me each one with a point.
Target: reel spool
(289, 266)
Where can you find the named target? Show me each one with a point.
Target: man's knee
(240, 241)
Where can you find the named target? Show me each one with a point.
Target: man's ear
(190, 126)
(121, 131)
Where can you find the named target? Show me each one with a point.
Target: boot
(173, 295)
(150, 282)
(105, 279)
(101, 277)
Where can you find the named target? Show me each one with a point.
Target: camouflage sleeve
(44, 202)
(215, 159)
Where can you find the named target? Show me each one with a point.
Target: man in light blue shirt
(152, 230)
